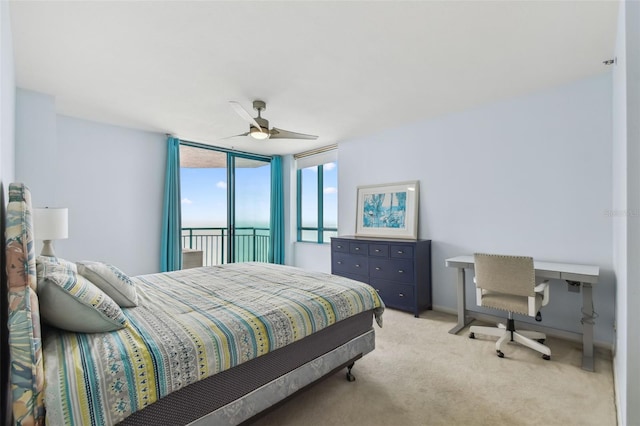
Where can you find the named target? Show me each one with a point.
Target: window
(226, 204)
(317, 195)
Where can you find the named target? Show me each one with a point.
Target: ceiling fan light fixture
(257, 134)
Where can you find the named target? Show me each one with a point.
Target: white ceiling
(340, 69)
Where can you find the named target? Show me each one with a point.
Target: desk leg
(461, 303)
(587, 327)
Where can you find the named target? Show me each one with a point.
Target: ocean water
(251, 243)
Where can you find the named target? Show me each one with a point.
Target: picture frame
(388, 210)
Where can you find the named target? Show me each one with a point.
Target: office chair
(508, 283)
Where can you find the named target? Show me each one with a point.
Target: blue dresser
(399, 270)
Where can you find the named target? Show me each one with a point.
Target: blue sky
(204, 196)
(309, 196)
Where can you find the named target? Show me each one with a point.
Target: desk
(582, 275)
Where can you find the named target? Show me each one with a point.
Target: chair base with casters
(508, 333)
(508, 283)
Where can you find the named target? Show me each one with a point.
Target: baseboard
(555, 332)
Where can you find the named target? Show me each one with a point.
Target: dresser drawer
(340, 246)
(394, 270)
(361, 278)
(379, 250)
(401, 252)
(345, 263)
(395, 295)
(359, 248)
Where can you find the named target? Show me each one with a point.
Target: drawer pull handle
(400, 252)
(377, 268)
(357, 248)
(400, 271)
(357, 266)
(401, 294)
(339, 262)
(377, 250)
(339, 246)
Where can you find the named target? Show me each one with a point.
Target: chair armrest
(543, 288)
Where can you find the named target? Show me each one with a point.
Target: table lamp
(50, 224)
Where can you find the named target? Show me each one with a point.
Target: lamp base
(47, 249)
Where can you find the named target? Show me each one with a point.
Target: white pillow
(71, 302)
(50, 264)
(111, 280)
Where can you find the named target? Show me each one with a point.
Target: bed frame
(233, 396)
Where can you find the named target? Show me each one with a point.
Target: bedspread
(189, 325)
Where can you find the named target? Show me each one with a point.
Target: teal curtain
(276, 248)
(171, 246)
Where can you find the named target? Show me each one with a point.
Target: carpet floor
(419, 374)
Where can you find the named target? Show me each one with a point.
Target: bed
(213, 345)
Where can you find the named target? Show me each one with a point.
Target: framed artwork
(389, 210)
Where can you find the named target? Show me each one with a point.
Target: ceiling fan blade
(285, 134)
(245, 115)
(235, 136)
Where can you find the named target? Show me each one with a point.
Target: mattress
(191, 325)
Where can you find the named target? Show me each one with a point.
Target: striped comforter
(189, 325)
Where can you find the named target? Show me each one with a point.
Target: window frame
(321, 154)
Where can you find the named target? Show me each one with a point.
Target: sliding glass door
(225, 204)
(251, 209)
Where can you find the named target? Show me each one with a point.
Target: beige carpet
(419, 374)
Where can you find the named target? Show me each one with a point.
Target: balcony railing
(250, 244)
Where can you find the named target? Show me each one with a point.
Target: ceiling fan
(259, 127)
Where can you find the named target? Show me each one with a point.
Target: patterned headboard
(25, 345)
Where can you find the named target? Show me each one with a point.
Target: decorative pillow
(71, 302)
(48, 265)
(111, 280)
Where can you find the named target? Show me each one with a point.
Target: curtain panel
(171, 246)
(276, 248)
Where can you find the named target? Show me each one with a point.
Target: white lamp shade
(51, 224)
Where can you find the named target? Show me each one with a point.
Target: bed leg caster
(350, 377)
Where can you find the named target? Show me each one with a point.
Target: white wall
(626, 197)
(526, 176)
(36, 153)
(313, 256)
(633, 203)
(111, 179)
(7, 170)
(620, 204)
(115, 187)
(7, 99)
